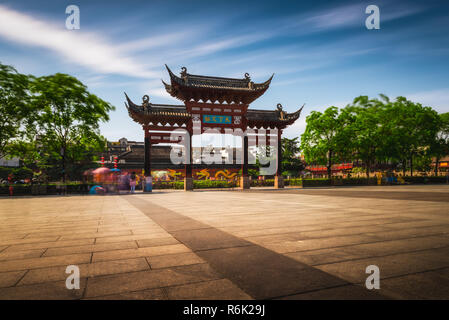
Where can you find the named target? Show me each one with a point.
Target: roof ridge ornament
(281, 112)
(183, 71)
(250, 83)
(146, 103)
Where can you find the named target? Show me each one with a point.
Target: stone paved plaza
(257, 244)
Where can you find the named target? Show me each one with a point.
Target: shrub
(293, 182)
(358, 181)
(197, 184)
(316, 182)
(168, 185)
(20, 189)
(4, 189)
(76, 187)
(424, 180)
(262, 183)
(205, 184)
(20, 173)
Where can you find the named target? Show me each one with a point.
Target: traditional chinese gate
(211, 103)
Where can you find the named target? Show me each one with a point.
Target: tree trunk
(329, 166)
(367, 169)
(63, 151)
(404, 167)
(411, 166)
(63, 168)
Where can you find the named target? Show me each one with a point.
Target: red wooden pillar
(148, 183)
(147, 155)
(188, 180)
(278, 179)
(245, 156)
(188, 160)
(244, 179)
(279, 154)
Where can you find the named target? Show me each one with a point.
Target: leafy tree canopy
(374, 131)
(14, 104)
(291, 161)
(324, 137)
(59, 120)
(68, 118)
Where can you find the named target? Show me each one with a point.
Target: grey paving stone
(264, 274)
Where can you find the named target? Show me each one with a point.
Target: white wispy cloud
(90, 50)
(337, 17)
(97, 53)
(296, 129)
(156, 89)
(352, 15)
(155, 41)
(231, 42)
(437, 99)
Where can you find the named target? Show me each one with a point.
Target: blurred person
(127, 182)
(133, 182)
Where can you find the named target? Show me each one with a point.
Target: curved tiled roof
(196, 87)
(164, 113)
(149, 112)
(265, 118)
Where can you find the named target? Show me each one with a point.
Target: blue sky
(320, 51)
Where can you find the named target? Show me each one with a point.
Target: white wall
(14, 162)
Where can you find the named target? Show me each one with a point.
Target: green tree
(412, 130)
(366, 131)
(14, 105)
(440, 146)
(324, 139)
(377, 131)
(67, 119)
(291, 161)
(264, 155)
